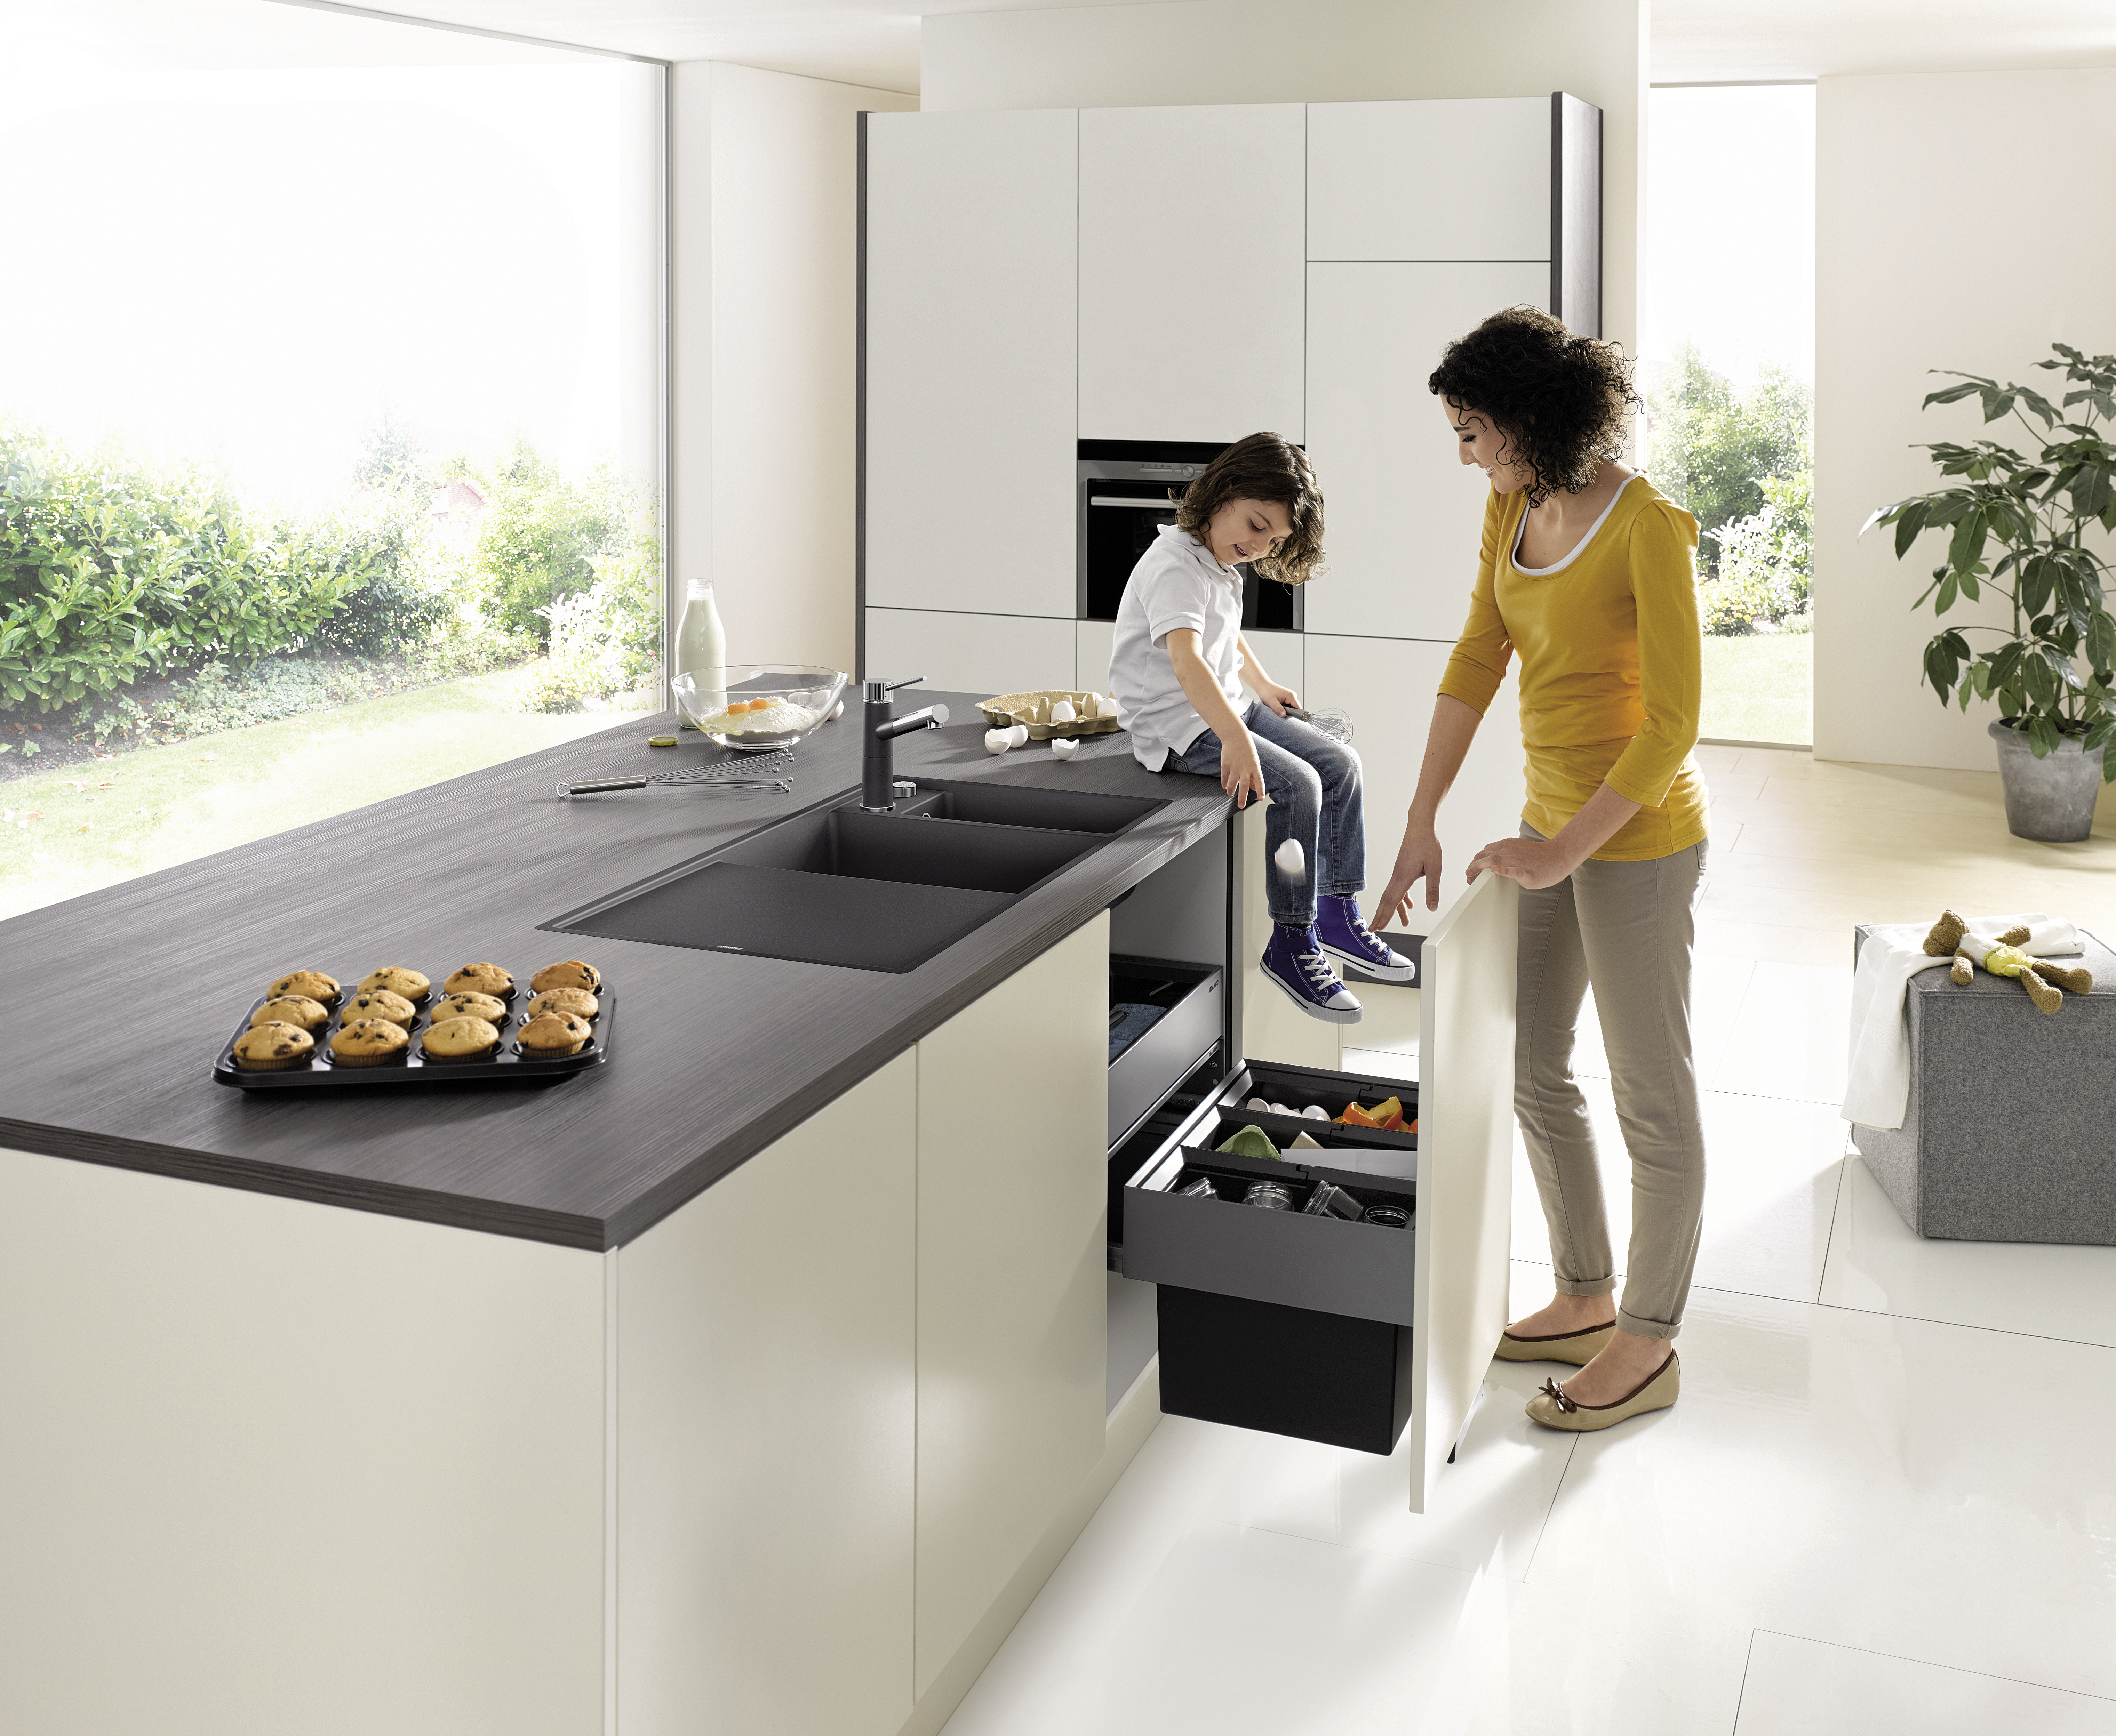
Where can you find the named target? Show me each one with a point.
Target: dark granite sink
(868, 892)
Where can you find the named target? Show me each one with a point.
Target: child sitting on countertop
(1177, 669)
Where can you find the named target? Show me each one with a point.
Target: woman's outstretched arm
(1447, 745)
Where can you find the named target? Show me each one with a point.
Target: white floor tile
(1771, 1181)
(1822, 1474)
(1801, 1687)
(1877, 1263)
(1790, 1037)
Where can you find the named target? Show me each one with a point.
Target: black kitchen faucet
(881, 728)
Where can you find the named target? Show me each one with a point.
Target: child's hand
(1241, 776)
(1276, 697)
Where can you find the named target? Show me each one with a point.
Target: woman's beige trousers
(1627, 928)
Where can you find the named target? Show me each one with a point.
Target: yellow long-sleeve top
(1611, 666)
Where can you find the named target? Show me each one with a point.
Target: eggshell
(1018, 736)
(1063, 712)
(1315, 1112)
(1064, 747)
(1256, 1103)
(998, 741)
(1292, 861)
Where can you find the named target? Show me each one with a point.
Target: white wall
(1949, 234)
(763, 180)
(1288, 51)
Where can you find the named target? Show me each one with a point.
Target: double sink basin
(837, 885)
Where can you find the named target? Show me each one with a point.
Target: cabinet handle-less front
(1125, 500)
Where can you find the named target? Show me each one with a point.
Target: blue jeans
(1313, 782)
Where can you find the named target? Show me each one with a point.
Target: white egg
(1063, 712)
(998, 741)
(1315, 1112)
(1292, 861)
(1064, 747)
(1097, 706)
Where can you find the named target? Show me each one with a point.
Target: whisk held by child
(1178, 667)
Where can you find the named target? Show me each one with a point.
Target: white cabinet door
(1388, 687)
(1013, 1191)
(987, 654)
(970, 335)
(1177, 343)
(1465, 1148)
(1403, 515)
(765, 1392)
(1456, 180)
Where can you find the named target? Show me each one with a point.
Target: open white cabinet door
(1465, 1146)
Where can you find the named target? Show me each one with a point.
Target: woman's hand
(1417, 859)
(1241, 776)
(1535, 862)
(1276, 697)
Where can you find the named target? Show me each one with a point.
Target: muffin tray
(413, 1069)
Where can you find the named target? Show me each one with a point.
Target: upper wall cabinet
(1495, 178)
(1191, 291)
(972, 316)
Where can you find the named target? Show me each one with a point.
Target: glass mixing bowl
(758, 707)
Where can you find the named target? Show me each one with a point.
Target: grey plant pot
(2051, 799)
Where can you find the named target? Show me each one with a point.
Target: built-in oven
(1126, 490)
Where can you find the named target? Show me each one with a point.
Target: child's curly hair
(1262, 466)
(1560, 399)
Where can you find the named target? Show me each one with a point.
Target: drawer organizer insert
(1157, 1059)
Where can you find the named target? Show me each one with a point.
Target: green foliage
(393, 462)
(2016, 525)
(606, 641)
(1764, 565)
(541, 535)
(1714, 451)
(216, 697)
(110, 574)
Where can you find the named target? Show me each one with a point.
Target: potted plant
(2054, 671)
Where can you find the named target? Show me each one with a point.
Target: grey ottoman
(2011, 1131)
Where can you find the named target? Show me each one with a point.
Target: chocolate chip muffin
(313, 985)
(293, 1009)
(480, 978)
(459, 1040)
(366, 1042)
(577, 1001)
(380, 1003)
(552, 1035)
(568, 973)
(273, 1045)
(464, 1005)
(412, 984)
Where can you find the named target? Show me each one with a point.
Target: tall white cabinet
(1191, 291)
(1034, 280)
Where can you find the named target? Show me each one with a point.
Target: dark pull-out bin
(1289, 1322)
(1173, 1047)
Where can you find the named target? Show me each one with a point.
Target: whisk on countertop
(732, 774)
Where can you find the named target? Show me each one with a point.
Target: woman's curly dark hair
(1262, 466)
(1560, 399)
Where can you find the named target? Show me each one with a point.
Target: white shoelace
(1319, 970)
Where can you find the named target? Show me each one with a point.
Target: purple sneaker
(1294, 960)
(1348, 940)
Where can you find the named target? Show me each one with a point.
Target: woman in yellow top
(1588, 573)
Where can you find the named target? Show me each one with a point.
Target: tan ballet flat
(1558, 1347)
(1656, 1392)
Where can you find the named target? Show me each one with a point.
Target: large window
(1729, 372)
(330, 422)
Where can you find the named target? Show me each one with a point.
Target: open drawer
(1257, 1327)
(1189, 1015)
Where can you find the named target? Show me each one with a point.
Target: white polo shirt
(1176, 583)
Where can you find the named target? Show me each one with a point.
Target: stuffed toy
(2003, 957)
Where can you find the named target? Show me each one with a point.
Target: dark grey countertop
(715, 1056)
